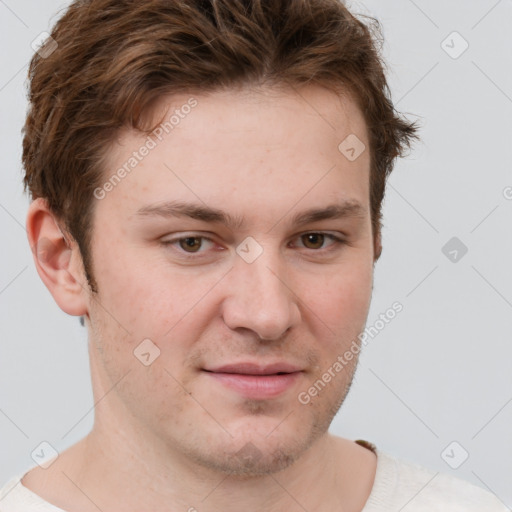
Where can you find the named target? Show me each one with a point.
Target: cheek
(172, 309)
(132, 289)
(340, 299)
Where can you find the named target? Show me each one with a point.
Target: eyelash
(337, 242)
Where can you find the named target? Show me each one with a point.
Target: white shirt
(398, 486)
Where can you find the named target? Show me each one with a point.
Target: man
(207, 180)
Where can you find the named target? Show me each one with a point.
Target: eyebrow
(349, 208)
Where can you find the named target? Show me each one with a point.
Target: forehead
(222, 113)
(259, 145)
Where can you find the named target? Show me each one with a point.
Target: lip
(248, 368)
(256, 381)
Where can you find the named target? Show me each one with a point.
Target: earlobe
(57, 259)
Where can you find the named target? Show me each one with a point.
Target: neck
(120, 472)
(132, 475)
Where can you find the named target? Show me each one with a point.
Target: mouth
(258, 382)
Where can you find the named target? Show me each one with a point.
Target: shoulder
(15, 497)
(414, 488)
(9, 487)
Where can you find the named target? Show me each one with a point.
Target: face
(239, 247)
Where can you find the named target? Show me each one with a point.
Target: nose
(260, 299)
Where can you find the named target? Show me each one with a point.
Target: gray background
(440, 371)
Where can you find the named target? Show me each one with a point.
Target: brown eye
(313, 240)
(190, 244)
(189, 247)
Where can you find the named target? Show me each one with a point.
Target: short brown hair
(115, 57)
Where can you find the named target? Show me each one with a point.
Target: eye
(193, 246)
(315, 241)
(191, 243)
(188, 244)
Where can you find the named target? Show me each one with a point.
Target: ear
(57, 259)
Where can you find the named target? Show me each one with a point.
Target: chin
(250, 460)
(258, 447)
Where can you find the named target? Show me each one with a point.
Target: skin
(169, 436)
